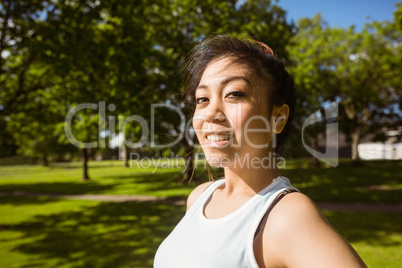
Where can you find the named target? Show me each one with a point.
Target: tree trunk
(45, 162)
(126, 155)
(355, 142)
(317, 162)
(85, 157)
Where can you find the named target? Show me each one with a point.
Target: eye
(201, 100)
(235, 94)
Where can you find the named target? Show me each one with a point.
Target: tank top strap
(283, 186)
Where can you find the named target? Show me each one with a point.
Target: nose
(214, 113)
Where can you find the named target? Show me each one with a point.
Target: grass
(68, 233)
(107, 177)
(377, 237)
(345, 183)
(350, 183)
(53, 232)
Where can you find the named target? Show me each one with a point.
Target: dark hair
(257, 56)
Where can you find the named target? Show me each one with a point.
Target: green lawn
(42, 232)
(348, 183)
(107, 177)
(53, 232)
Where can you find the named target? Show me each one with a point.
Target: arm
(297, 234)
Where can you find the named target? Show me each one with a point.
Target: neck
(249, 179)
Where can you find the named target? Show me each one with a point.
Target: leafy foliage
(358, 70)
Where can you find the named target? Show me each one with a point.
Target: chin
(218, 160)
(217, 164)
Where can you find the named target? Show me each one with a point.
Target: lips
(219, 137)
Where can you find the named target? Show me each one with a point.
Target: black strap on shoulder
(277, 199)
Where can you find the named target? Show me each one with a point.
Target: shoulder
(197, 192)
(297, 234)
(293, 207)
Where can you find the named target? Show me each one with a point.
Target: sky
(341, 13)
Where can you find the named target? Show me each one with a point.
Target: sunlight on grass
(345, 183)
(377, 237)
(54, 232)
(107, 177)
(68, 233)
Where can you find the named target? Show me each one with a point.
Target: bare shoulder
(297, 234)
(294, 207)
(196, 193)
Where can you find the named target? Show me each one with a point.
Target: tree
(305, 66)
(359, 70)
(20, 48)
(126, 53)
(25, 80)
(33, 127)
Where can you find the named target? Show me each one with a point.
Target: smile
(219, 137)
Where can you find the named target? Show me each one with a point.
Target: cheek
(246, 115)
(242, 118)
(255, 123)
(197, 120)
(198, 126)
(197, 123)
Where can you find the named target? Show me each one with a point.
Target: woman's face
(231, 116)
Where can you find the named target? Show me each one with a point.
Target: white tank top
(225, 242)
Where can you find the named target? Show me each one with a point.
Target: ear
(280, 116)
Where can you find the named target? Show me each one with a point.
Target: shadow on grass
(56, 187)
(128, 234)
(157, 181)
(143, 183)
(147, 177)
(24, 200)
(105, 235)
(373, 228)
(346, 183)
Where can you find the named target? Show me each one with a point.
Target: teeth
(217, 137)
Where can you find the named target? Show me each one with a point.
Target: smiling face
(231, 118)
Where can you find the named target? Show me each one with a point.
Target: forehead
(220, 71)
(226, 67)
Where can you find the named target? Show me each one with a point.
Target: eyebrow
(227, 80)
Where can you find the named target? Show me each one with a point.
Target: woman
(244, 105)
